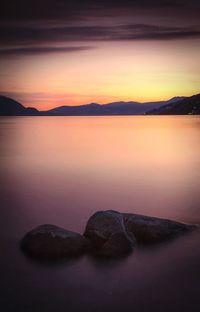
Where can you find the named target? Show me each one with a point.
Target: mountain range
(187, 106)
(174, 106)
(10, 107)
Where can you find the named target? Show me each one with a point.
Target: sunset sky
(56, 52)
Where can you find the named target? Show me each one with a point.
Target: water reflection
(63, 169)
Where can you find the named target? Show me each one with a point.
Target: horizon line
(100, 104)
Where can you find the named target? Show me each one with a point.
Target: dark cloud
(41, 50)
(53, 9)
(75, 9)
(153, 32)
(32, 34)
(13, 35)
(27, 26)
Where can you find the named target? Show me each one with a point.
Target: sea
(61, 170)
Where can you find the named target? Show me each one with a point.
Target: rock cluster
(107, 233)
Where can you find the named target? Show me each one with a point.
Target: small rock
(108, 235)
(52, 242)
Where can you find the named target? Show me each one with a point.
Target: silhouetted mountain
(186, 106)
(9, 107)
(115, 108)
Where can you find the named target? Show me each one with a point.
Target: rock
(153, 230)
(52, 242)
(109, 237)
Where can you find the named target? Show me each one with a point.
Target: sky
(57, 52)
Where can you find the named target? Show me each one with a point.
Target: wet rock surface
(52, 242)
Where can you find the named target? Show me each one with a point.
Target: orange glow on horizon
(135, 71)
(56, 101)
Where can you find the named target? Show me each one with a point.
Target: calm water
(60, 170)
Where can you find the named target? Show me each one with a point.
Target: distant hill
(176, 105)
(186, 106)
(115, 108)
(10, 107)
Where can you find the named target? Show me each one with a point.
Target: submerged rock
(52, 242)
(153, 230)
(108, 235)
